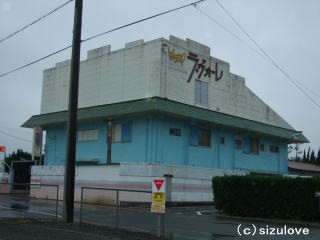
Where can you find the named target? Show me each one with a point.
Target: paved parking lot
(197, 222)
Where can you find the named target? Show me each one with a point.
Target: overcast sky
(288, 30)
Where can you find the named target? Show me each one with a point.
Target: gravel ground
(26, 229)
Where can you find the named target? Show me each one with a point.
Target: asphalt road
(200, 223)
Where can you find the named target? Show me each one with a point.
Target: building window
(201, 93)
(200, 137)
(261, 147)
(121, 132)
(222, 140)
(238, 143)
(175, 131)
(250, 145)
(274, 149)
(87, 135)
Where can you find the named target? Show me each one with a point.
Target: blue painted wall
(151, 141)
(135, 149)
(54, 150)
(93, 149)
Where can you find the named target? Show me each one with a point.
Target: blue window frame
(250, 145)
(274, 149)
(121, 132)
(200, 137)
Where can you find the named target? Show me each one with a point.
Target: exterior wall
(151, 142)
(159, 68)
(188, 184)
(106, 77)
(56, 144)
(265, 161)
(227, 95)
(136, 149)
(54, 151)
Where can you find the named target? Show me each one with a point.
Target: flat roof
(167, 107)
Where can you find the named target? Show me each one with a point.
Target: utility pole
(69, 177)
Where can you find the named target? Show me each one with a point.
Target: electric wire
(35, 21)
(268, 56)
(13, 136)
(16, 130)
(144, 19)
(101, 34)
(254, 49)
(230, 32)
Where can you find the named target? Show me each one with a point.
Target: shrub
(272, 197)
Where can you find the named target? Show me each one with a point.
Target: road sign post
(158, 204)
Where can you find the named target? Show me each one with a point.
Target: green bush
(271, 197)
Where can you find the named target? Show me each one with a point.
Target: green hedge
(260, 196)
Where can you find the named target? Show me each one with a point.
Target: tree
(304, 158)
(312, 157)
(16, 156)
(318, 158)
(308, 155)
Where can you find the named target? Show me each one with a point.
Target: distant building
(160, 107)
(303, 169)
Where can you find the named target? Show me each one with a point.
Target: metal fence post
(160, 232)
(57, 203)
(26, 201)
(81, 199)
(117, 210)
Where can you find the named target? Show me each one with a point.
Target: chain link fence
(116, 207)
(16, 197)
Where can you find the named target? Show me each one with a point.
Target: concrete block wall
(142, 70)
(228, 95)
(106, 77)
(188, 184)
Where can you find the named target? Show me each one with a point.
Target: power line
(35, 21)
(100, 34)
(9, 135)
(144, 19)
(268, 56)
(16, 130)
(253, 49)
(35, 61)
(231, 33)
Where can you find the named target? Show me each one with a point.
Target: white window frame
(88, 135)
(201, 95)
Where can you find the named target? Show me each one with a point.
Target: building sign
(176, 57)
(158, 195)
(202, 69)
(37, 142)
(2, 158)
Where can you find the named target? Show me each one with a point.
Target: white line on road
(44, 213)
(31, 211)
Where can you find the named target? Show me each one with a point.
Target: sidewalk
(26, 229)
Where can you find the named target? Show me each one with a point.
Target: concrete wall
(106, 77)
(188, 184)
(157, 68)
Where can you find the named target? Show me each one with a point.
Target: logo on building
(202, 68)
(176, 57)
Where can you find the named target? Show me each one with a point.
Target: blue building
(163, 102)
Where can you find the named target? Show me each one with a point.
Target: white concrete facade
(189, 184)
(159, 68)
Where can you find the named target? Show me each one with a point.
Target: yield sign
(158, 183)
